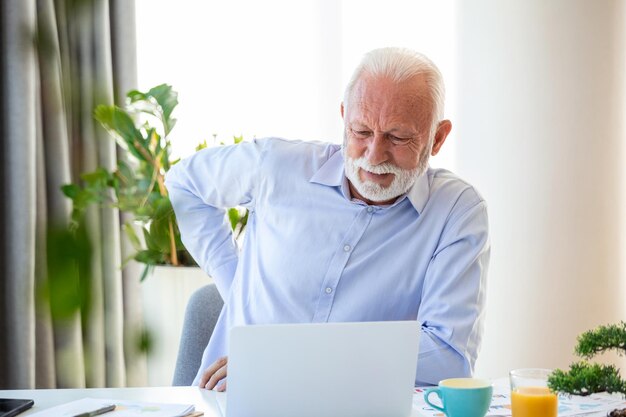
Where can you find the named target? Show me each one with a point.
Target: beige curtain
(60, 58)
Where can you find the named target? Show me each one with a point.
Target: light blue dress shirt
(313, 254)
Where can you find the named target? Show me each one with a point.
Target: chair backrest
(201, 314)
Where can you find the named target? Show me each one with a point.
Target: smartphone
(10, 407)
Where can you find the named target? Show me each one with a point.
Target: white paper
(569, 406)
(123, 408)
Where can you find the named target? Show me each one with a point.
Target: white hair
(401, 64)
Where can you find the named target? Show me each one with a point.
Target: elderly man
(363, 232)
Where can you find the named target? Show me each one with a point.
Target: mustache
(384, 168)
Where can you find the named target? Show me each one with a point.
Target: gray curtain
(59, 59)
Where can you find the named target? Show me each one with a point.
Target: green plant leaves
(94, 192)
(168, 100)
(234, 217)
(137, 185)
(150, 257)
(603, 338)
(67, 289)
(161, 223)
(121, 126)
(159, 102)
(584, 378)
(132, 236)
(71, 190)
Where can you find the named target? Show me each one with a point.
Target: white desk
(204, 400)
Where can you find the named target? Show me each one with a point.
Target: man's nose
(378, 149)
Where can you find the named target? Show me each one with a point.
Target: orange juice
(533, 402)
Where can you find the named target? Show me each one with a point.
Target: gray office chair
(203, 309)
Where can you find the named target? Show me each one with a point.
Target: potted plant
(585, 378)
(136, 187)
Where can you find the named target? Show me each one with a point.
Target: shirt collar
(420, 191)
(332, 174)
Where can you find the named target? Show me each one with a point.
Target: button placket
(339, 262)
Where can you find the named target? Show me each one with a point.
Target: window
(278, 67)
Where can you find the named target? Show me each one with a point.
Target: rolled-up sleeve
(453, 298)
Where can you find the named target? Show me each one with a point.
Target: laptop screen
(322, 369)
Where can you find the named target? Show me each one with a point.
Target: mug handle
(434, 391)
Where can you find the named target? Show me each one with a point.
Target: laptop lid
(322, 369)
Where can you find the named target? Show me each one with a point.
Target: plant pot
(164, 297)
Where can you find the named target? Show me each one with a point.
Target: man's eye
(399, 141)
(361, 133)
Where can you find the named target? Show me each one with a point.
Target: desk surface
(204, 400)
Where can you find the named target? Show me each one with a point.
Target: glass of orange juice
(530, 395)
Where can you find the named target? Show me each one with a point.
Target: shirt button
(329, 290)
(370, 209)
(347, 248)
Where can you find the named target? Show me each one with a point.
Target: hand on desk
(214, 374)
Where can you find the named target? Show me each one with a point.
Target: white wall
(256, 68)
(277, 67)
(536, 96)
(540, 128)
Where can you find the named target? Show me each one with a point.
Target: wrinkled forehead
(410, 98)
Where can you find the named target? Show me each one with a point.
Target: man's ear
(443, 130)
(342, 109)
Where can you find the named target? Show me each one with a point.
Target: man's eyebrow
(406, 131)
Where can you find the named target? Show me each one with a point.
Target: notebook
(326, 369)
(123, 408)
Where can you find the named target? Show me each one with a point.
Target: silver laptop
(322, 370)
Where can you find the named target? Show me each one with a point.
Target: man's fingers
(216, 377)
(221, 387)
(212, 370)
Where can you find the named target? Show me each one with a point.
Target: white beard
(403, 179)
